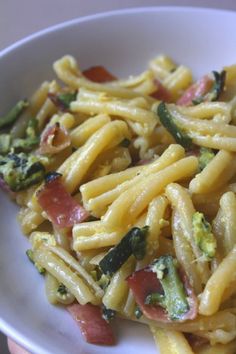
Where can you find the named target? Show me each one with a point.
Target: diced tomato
(161, 94)
(200, 88)
(93, 327)
(98, 74)
(54, 139)
(144, 282)
(61, 209)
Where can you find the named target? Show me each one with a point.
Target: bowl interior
(123, 42)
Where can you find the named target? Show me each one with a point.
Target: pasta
(126, 189)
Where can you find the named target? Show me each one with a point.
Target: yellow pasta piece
(29, 220)
(162, 66)
(48, 108)
(228, 207)
(55, 266)
(177, 81)
(207, 110)
(101, 103)
(218, 172)
(172, 154)
(67, 70)
(131, 203)
(117, 290)
(170, 342)
(51, 289)
(76, 166)
(155, 215)
(185, 255)
(66, 120)
(218, 349)
(83, 132)
(224, 319)
(212, 295)
(97, 240)
(74, 264)
(182, 203)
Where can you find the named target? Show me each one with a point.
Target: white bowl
(123, 41)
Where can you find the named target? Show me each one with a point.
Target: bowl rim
(124, 11)
(5, 327)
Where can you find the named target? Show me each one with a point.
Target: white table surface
(19, 18)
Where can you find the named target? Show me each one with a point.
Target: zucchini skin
(168, 121)
(132, 243)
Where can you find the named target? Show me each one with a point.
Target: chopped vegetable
(198, 89)
(206, 155)
(104, 281)
(174, 298)
(125, 142)
(98, 74)
(31, 137)
(217, 88)
(172, 126)
(5, 143)
(204, 90)
(63, 295)
(108, 314)
(162, 291)
(54, 139)
(20, 171)
(63, 100)
(20, 144)
(30, 255)
(13, 114)
(93, 327)
(132, 243)
(62, 210)
(137, 312)
(203, 236)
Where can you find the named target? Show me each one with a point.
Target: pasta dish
(126, 189)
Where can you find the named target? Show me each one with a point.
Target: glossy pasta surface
(152, 155)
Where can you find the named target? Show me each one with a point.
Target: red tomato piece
(98, 74)
(93, 327)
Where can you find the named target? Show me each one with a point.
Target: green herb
(30, 255)
(206, 155)
(137, 312)
(108, 314)
(125, 142)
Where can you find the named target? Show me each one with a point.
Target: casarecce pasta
(126, 189)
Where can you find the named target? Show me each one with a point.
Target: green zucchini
(134, 242)
(169, 122)
(13, 114)
(174, 297)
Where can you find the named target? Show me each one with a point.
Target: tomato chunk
(99, 74)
